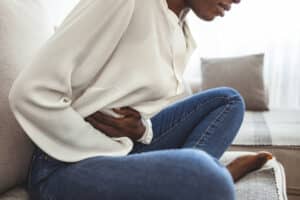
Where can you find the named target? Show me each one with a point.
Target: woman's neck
(177, 6)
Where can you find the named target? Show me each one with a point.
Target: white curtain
(254, 26)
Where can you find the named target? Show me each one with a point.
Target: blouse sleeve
(148, 134)
(41, 95)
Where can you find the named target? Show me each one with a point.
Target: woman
(101, 103)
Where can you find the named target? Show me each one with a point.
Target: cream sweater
(106, 54)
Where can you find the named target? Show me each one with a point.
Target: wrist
(136, 137)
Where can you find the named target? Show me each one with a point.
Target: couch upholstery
(23, 29)
(16, 193)
(277, 131)
(263, 184)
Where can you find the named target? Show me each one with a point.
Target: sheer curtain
(255, 26)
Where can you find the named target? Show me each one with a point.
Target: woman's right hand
(130, 125)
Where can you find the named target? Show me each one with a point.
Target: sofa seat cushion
(17, 193)
(267, 183)
(277, 131)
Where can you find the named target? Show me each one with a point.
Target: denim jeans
(181, 163)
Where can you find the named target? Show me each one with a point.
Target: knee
(231, 94)
(212, 178)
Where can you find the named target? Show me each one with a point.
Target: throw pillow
(243, 73)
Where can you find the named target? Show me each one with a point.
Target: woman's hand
(130, 125)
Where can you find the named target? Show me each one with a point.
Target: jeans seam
(214, 122)
(174, 125)
(206, 133)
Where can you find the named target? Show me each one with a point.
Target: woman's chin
(208, 17)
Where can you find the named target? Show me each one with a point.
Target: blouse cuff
(148, 134)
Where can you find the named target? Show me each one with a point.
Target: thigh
(152, 175)
(173, 125)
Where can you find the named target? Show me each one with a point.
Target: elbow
(32, 96)
(19, 95)
(15, 97)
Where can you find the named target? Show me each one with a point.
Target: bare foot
(243, 165)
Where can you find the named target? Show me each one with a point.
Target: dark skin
(130, 125)
(205, 9)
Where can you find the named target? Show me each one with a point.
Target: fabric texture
(23, 29)
(244, 73)
(276, 131)
(278, 127)
(80, 71)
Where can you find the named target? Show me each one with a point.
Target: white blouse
(106, 54)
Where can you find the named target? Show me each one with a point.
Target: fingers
(118, 127)
(225, 6)
(107, 119)
(108, 130)
(128, 111)
(130, 119)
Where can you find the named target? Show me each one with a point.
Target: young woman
(103, 104)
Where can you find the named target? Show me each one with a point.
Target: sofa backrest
(24, 27)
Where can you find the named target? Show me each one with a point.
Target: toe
(262, 158)
(264, 154)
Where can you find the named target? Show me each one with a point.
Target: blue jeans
(190, 136)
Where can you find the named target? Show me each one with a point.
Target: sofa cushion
(277, 131)
(243, 73)
(17, 193)
(267, 183)
(24, 28)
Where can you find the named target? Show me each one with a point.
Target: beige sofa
(24, 27)
(277, 131)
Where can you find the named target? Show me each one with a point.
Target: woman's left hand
(130, 125)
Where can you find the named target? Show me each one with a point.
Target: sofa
(277, 131)
(24, 28)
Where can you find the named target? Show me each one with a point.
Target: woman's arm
(41, 96)
(129, 123)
